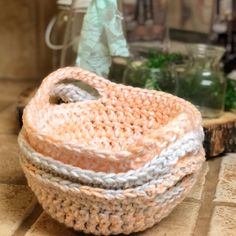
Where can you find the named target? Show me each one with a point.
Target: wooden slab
(220, 134)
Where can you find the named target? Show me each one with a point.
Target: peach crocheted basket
(108, 164)
(121, 130)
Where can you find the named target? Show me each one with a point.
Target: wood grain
(220, 134)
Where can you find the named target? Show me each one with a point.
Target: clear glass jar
(202, 81)
(55, 32)
(134, 74)
(93, 36)
(153, 70)
(63, 31)
(72, 33)
(162, 79)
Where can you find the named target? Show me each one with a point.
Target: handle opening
(70, 90)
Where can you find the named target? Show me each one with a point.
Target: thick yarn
(114, 163)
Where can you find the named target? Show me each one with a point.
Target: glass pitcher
(63, 31)
(55, 31)
(73, 31)
(202, 81)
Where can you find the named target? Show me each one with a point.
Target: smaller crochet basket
(115, 164)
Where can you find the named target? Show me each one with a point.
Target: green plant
(159, 67)
(155, 71)
(159, 60)
(230, 98)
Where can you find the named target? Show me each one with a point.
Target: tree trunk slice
(220, 134)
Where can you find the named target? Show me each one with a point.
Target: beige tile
(9, 123)
(180, 222)
(16, 203)
(226, 188)
(223, 222)
(46, 226)
(197, 190)
(10, 170)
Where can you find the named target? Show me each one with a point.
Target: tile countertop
(210, 209)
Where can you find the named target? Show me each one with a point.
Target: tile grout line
(29, 221)
(227, 204)
(207, 204)
(191, 199)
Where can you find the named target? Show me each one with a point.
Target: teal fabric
(101, 37)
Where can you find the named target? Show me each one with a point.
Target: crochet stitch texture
(114, 163)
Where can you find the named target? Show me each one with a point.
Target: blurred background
(24, 54)
(186, 48)
(39, 36)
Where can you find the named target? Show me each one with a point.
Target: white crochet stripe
(108, 194)
(158, 166)
(165, 181)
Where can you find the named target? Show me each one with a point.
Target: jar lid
(64, 2)
(82, 4)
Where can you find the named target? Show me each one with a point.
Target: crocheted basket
(120, 130)
(117, 160)
(104, 212)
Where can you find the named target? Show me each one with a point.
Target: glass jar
(55, 32)
(63, 31)
(94, 35)
(153, 70)
(72, 33)
(134, 74)
(202, 81)
(162, 79)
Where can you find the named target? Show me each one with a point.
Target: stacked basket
(115, 162)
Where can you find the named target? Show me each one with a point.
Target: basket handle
(52, 84)
(71, 93)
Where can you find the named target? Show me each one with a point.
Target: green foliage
(157, 59)
(155, 72)
(230, 98)
(159, 74)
